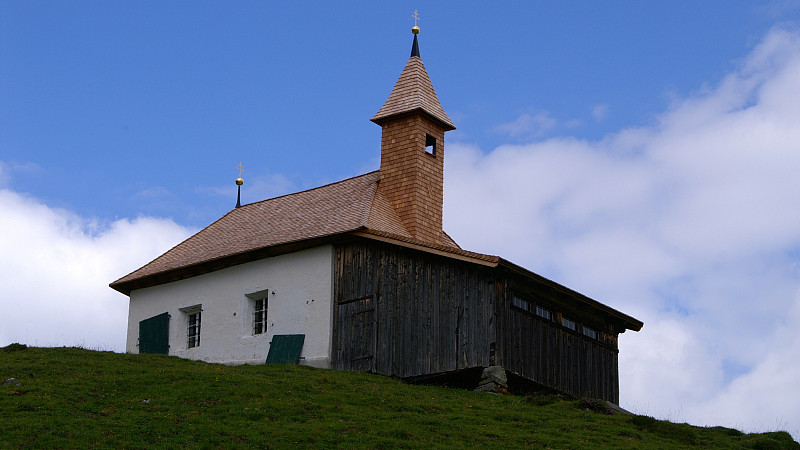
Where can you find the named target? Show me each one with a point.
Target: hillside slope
(67, 397)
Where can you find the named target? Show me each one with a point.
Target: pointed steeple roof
(415, 47)
(413, 91)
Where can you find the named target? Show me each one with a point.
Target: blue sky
(643, 153)
(128, 108)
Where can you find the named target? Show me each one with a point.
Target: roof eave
(627, 321)
(125, 287)
(437, 249)
(189, 271)
(381, 119)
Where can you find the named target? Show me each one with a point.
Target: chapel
(359, 275)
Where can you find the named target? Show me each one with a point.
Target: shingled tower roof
(413, 91)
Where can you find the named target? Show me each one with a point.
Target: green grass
(70, 397)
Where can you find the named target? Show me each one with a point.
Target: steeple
(413, 91)
(413, 124)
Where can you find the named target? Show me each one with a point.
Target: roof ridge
(451, 239)
(368, 212)
(306, 190)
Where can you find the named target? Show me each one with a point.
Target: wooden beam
(453, 255)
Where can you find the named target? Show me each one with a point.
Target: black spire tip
(415, 48)
(239, 196)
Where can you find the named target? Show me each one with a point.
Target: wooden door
(356, 335)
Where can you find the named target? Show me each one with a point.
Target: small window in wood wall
(569, 324)
(590, 333)
(543, 313)
(521, 304)
(430, 144)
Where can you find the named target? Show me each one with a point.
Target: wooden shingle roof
(354, 205)
(351, 208)
(413, 91)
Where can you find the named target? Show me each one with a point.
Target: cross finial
(415, 28)
(240, 169)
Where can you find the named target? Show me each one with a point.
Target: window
(541, 312)
(588, 332)
(521, 304)
(192, 325)
(193, 330)
(260, 316)
(569, 324)
(430, 144)
(255, 313)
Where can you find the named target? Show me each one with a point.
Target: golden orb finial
(415, 28)
(239, 183)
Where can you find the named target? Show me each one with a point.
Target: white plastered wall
(298, 286)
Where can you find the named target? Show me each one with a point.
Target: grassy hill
(68, 397)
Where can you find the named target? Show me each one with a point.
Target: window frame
(194, 319)
(250, 311)
(543, 312)
(521, 304)
(430, 143)
(260, 315)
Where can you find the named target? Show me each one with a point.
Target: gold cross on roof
(416, 17)
(240, 169)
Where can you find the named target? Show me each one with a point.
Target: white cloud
(766, 395)
(60, 266)
(600, 112)
(528, 125)
(7, 169)
(691, 225)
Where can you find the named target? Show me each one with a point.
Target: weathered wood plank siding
(552, 355)
(431, 314)
(406, 313)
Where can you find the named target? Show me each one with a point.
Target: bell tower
(412, 150)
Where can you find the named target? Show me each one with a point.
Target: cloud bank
(56, 268)
(691, 225)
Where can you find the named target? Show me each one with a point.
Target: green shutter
(154, 334)
(285, 348)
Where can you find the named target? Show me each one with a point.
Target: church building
(359, 275)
